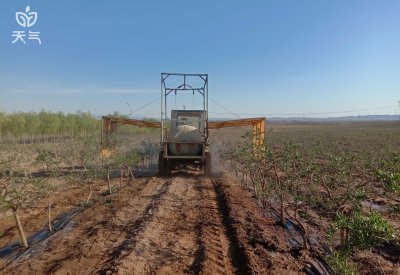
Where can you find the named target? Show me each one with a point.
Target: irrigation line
(144, 106)
(302, 114)
(226, 109)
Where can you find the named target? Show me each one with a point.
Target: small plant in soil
(14, 194)
(44, 190)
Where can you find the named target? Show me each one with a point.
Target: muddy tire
(162, 164)
(207, 164)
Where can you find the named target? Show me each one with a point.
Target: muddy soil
(155, 225)
(183, 224)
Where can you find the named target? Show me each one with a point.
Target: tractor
(185, 133)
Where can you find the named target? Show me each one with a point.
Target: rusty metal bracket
(257, 123)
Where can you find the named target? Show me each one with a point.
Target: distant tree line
(47, 126)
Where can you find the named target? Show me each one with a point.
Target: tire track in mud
(237, 253)
(218, 249)
(212, 255)
(167, 244)
(132, 230)
(188, 233)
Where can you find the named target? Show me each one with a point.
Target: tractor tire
(162, 164)
(207, 164)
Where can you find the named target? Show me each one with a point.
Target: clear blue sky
(273, 57)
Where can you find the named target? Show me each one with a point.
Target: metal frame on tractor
(166, 160)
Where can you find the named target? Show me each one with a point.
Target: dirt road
(155, 225)
(184, 224)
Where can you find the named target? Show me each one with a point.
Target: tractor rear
(184, 135)
(186, 142)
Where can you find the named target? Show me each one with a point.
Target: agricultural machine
(185, 133)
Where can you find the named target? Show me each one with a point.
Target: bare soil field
(187, 224)
(184, 224)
